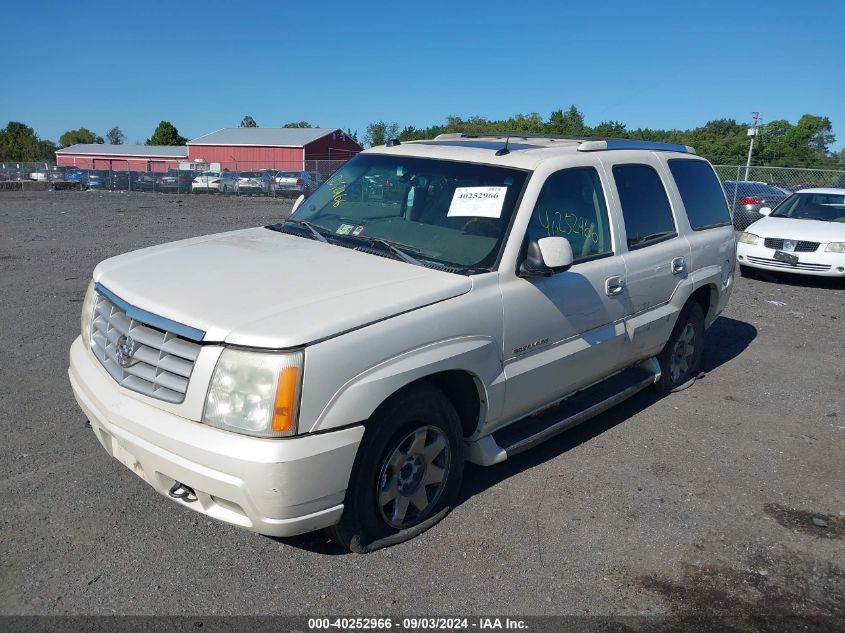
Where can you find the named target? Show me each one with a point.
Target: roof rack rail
(587, 143)
(553, 137)
(625, 143)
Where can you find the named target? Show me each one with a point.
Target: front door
(566, 331)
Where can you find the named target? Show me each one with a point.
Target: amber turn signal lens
(285, 410)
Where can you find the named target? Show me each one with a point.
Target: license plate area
(788, 258)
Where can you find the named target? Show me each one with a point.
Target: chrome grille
(160, 363)
(801, 247)
(779, 264)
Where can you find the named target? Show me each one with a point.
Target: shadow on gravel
(798, 281)
(726, 339)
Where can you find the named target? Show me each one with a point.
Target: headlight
(87, 313)
(835, 247)
(256, 393)
(749, 238)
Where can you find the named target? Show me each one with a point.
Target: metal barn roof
(264, 136)
(103, 149)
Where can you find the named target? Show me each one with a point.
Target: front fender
(358, 398)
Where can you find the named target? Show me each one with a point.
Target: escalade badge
(123, 351)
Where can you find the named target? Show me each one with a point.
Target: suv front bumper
(278, 487)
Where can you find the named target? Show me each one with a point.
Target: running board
(580, 407)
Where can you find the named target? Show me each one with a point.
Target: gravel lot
(727, 498)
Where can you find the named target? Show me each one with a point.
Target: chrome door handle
(679, 266)
(614, 285)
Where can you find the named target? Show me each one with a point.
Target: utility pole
(752, 132)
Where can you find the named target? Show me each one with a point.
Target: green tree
(115, 136)
(298, 124)
(19, 142)
(248, 121)
(166, 134)
(74, 137)
(609, 129)
(569, 123)
(352, 135)
(379, 132)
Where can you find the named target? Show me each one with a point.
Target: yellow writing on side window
(557, 223)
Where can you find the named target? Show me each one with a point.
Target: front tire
(407, 474)
(680, 359)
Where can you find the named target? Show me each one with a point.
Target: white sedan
(804, 234)
(214, 181)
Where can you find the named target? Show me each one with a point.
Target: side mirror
(547, 256)
(298, 202)
(765, 210)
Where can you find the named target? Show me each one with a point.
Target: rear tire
(407, 474)
(680, 359)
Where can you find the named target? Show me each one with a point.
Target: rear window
(645, 207)
(700, 191)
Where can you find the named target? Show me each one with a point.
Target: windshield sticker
(358, 230)
(345, 229)
(482, 202)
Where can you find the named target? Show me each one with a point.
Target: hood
(262, 288)
(796, 229)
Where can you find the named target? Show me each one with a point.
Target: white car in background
(250, 182)
(296, 182)
(214, 182)
(804, 234)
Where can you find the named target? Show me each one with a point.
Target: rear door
(656, 256)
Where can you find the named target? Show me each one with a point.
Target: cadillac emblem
(124, 350)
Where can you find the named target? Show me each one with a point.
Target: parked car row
(258, 182)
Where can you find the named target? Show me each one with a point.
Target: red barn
(249, 148)
(122, 157)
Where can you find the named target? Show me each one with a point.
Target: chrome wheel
(683, 353)
(413, 477)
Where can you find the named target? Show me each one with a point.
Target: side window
(701, 193)
(571, 205)
(645, 207)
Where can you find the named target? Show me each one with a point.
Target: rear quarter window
(701, 193)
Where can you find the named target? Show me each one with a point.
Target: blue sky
(204, 65)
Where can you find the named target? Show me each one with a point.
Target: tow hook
(180, 491)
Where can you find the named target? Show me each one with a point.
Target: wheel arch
(467, 370)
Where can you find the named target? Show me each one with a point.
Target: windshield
(829, 207)
(443, 212)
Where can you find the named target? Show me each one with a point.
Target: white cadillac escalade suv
(461, 298)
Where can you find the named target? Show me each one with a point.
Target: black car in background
(747, 197)
(174, 181)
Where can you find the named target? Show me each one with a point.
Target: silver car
(747, 197)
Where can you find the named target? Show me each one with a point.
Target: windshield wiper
(390, 246)
(317, 235)
(397, 251)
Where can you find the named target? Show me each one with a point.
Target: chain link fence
(768, 186)
(265, 178)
